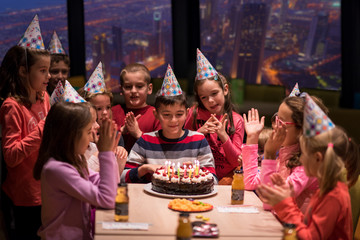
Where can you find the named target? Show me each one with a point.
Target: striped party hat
(32, 37)
(170, 86)
(55, 46)
(204, 68)
(96, 83)
(58, 94)
(71, 95)
(315, 120)
(295, 91)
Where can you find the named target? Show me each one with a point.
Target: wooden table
(147, 208)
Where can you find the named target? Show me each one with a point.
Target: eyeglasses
(284, 123)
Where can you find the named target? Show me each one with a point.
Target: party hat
(170, 86)
(32, 37)
(96, 83)
(295, 91)
(204, 68)
(70, 94)
(58, 94)
(55, 46)
(315, 120)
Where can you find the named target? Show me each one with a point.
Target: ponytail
(331, 170)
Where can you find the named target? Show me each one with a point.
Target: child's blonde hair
(342, 152)
(263, 137)
(228, 105)
(135, 67)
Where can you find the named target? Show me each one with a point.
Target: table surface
(147, 208)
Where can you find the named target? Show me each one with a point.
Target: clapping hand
(132, 125)
(277, 193)
(109, 136)
(275, 140)
(253, 126)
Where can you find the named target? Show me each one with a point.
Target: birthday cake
(182, 181)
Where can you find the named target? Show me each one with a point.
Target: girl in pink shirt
(24, 75)
(285, 141)
(213, 115)
(68, 187)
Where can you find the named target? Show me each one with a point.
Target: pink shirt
(304, 186)
(21, 138)
(225, 154)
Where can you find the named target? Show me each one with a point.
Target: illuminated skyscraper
(316, 41)
(117, 43)
(249, 42)
(157, 45)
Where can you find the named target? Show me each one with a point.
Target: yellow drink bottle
(122, 204)
(237, 188)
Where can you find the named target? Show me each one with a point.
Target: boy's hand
(132, 125)
(147, 168)
(108, 135)
(275, 141)
(121, 157)
(253, 126)
(209, 127)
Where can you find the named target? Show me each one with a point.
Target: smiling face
(59, 71)
(212, 96)
(135, 89)
(85, 137)
(102, 105)
(292, 132)
(39, 74)
(172, 119)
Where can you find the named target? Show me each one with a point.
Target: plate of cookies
(189, 205)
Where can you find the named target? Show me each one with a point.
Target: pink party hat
(315, 120)
(170, 86)
(96, 83)
(32, 37)
(204, 68)
(295, 91)
(55, 46)
(70, 94)
(58, 94)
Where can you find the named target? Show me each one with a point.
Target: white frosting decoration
(186, 180)
(157, 175)
(208, 176)
(196, 180)
(203, 178)
(174, 179)
(164, 178)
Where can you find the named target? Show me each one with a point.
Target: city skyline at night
(277, 42)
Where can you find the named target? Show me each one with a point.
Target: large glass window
(119, 32)
(15, 17)
(278, 42)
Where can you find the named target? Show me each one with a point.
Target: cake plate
(147, 188)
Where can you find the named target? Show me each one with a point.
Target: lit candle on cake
(168, 168)
(173, 170)
(178, 169)
(165, 171)
(198, 168)
(190, 171)
(184, 170)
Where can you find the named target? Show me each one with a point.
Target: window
(278, 42)
(15, 17)
(119, 32)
